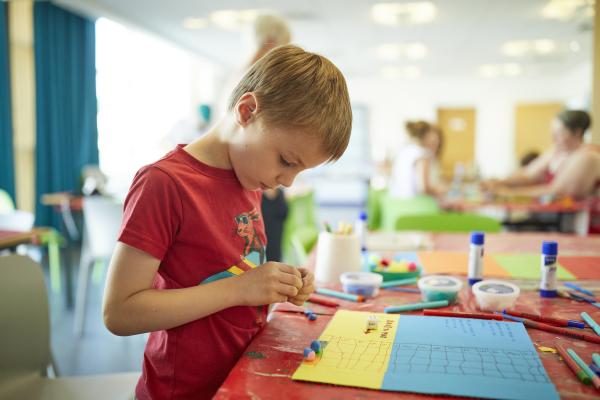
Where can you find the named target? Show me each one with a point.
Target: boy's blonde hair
(302, 90)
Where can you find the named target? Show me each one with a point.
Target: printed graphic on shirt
(253, 253)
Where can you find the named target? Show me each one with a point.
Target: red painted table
(265, 369)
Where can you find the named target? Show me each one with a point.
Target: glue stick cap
(477, 238)
(550, 248)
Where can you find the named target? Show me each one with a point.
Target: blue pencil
(579, 288)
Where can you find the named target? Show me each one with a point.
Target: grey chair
(25, 343)
(102, 220)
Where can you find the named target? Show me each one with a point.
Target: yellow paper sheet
(351, 356)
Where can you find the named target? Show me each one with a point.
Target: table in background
(11, 239)
(579, 209)
(265, 369)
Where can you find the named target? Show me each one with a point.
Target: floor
(97, 351)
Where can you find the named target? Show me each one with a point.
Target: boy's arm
(132, 306)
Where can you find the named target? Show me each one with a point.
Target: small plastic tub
(362, 283)
(495, 295)
(439, 287)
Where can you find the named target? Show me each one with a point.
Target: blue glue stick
(548, 281)
(476, 258)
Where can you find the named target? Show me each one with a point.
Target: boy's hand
(308, 287)
(270, 283)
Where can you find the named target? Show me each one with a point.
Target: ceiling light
(544, 46)
(565, 9)
(403, 13)
(517, 48)
(194, 23)
(393, 51)
(233, 19)
(489, 71)
(407, 72)
(511, 69)
(496, 70)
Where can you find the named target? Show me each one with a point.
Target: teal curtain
(7, 165)
(66, 106)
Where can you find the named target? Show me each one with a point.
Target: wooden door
(458, 125)
(532, 127)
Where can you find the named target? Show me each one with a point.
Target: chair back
(448, 222)
(25, 323)
(394, 208)
(102, 218)
(7, 205)
(300, 230)
(16, 220)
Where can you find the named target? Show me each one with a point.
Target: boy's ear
(246, 109)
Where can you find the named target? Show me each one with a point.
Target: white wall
(392, 103)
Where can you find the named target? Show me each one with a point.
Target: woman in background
(569, 168)
(415, 171)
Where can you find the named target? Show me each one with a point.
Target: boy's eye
(284, 162)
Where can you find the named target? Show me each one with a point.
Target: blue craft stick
(416, 306)
(510, 317)
(596, 359)
(595, 369)
(581, 363)
(405, 290)
(579, 288)
(398, 282)
(590, 321)
(582, 298)
(339, 295)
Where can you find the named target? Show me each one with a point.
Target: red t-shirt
(199, 221)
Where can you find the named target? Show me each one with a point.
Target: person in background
(528, 158)
(270, 31)
(414, 169)
(569, 168)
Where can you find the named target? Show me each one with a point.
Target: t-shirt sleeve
(152, 212)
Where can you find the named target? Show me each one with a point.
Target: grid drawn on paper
(353, 355)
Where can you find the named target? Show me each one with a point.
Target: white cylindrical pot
(336, 254)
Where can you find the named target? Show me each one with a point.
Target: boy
(192, 232)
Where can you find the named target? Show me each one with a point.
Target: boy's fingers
(292, 280)
(290, 270)
(296, 301)
(288, 290)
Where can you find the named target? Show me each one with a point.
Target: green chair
(447, 222)
(300, 229)
(374, 199)
(394, 208)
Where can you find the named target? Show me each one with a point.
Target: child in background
(415, 166)
(192, 218)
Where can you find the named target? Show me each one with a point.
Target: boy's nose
(286, 179)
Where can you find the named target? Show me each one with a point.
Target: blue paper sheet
(466, 357)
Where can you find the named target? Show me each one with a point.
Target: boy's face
(264, 157)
